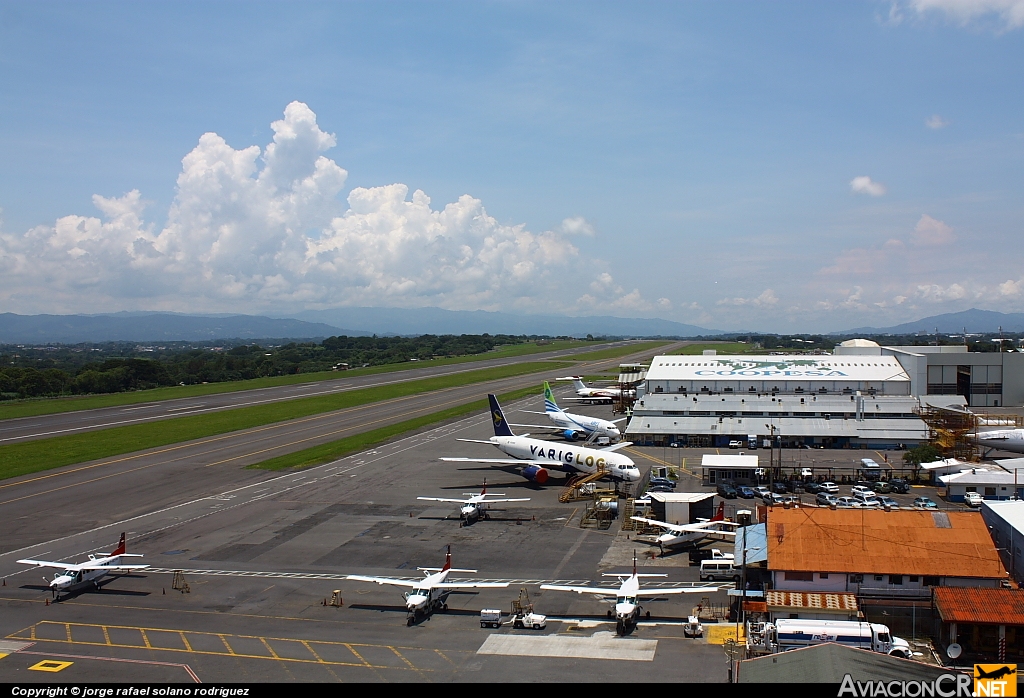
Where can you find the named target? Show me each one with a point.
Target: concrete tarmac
(260, 559)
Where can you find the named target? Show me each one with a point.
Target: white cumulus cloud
(1008, 13)
(936, 122)
(767, 299)
(866, 185)
(930, 231)
(264, 230)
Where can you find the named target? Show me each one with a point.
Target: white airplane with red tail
(86, 572)
(715, 528)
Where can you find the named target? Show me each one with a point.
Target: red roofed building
(988, 624)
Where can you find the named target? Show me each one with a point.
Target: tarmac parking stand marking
(281, 649)
(51, 665)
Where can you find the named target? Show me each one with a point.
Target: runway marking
(51, 665)
(602, 645)
(186, 667)
(314, 648)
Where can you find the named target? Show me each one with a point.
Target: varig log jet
(87, 572)
(538, 457)
(574, 426)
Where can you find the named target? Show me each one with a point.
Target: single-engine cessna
(692, 535)
(431, 592)
(574, 426)
(627, 598)
(537, 457)
(476, 506)
(86, 572)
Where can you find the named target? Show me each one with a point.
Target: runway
(46, 426)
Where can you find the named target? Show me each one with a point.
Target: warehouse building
(829, 401)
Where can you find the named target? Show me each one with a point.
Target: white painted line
(602, 645)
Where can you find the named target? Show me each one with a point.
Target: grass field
(616, 351)
(34, 456)
(41, 406)
(325, 453)
(721, 348)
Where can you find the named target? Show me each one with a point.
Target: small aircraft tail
(549, 399)
(720, 514)
(120, 547)
(501, 427)
(447, 560)
(577, 383)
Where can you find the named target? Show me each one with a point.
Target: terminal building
(855, 401)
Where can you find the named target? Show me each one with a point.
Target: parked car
(812, 487)
(660, 488)
(829, 487)
(848, 503)
(662, 481)
(806, 472)
(924, 503)
(868, 500)
(882, 487)
(770, 498)
(860, 489)
(727, 491)
(779, 488)
(735, 444)
(889, 502)
(899, 486)
(973, 499)
(825, 499)
(761, 491)
(746, 492)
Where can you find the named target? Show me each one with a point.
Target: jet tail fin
(549, 399)
(501, 427)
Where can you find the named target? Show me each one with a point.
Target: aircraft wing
(579, 590)
(616, 447)
(44, 563)
(442, 499)
(621, 419)
(471, 585)
(538, 426)
(691, 590)
(112, 567)
(496, 501)
(667, 526)
(382, 580)
(502, 461)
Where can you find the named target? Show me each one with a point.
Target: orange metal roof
(861, 541)
(980, 605)
(812, 601)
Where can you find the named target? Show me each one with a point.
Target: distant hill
(415, 321)
(156, 327)
(974, 320)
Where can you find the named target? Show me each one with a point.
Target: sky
(777, 167)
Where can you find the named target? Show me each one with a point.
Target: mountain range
(976, 321)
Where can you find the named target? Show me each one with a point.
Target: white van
(718, 569)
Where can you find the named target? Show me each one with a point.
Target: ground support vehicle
(530, 620)
(792, 633)
(490, 618)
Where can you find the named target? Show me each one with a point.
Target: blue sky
(769, 166)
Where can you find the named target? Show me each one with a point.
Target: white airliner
(627, 597)
(715, 528)
(537, 457)
(574, 426)
(476, 506)
(86, 572)
(431, 592)
(1002, 439)
(592, 395)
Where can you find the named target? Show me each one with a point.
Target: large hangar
(830, 401)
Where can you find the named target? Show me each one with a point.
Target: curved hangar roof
(791, 367)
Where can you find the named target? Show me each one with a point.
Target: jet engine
(571, 435)
(535, 473)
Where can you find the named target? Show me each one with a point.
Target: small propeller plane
(715, 528)
(574, 426)
(86, 572)
(431, 592)
(535, 456)
(476, 506)
(627, 598)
